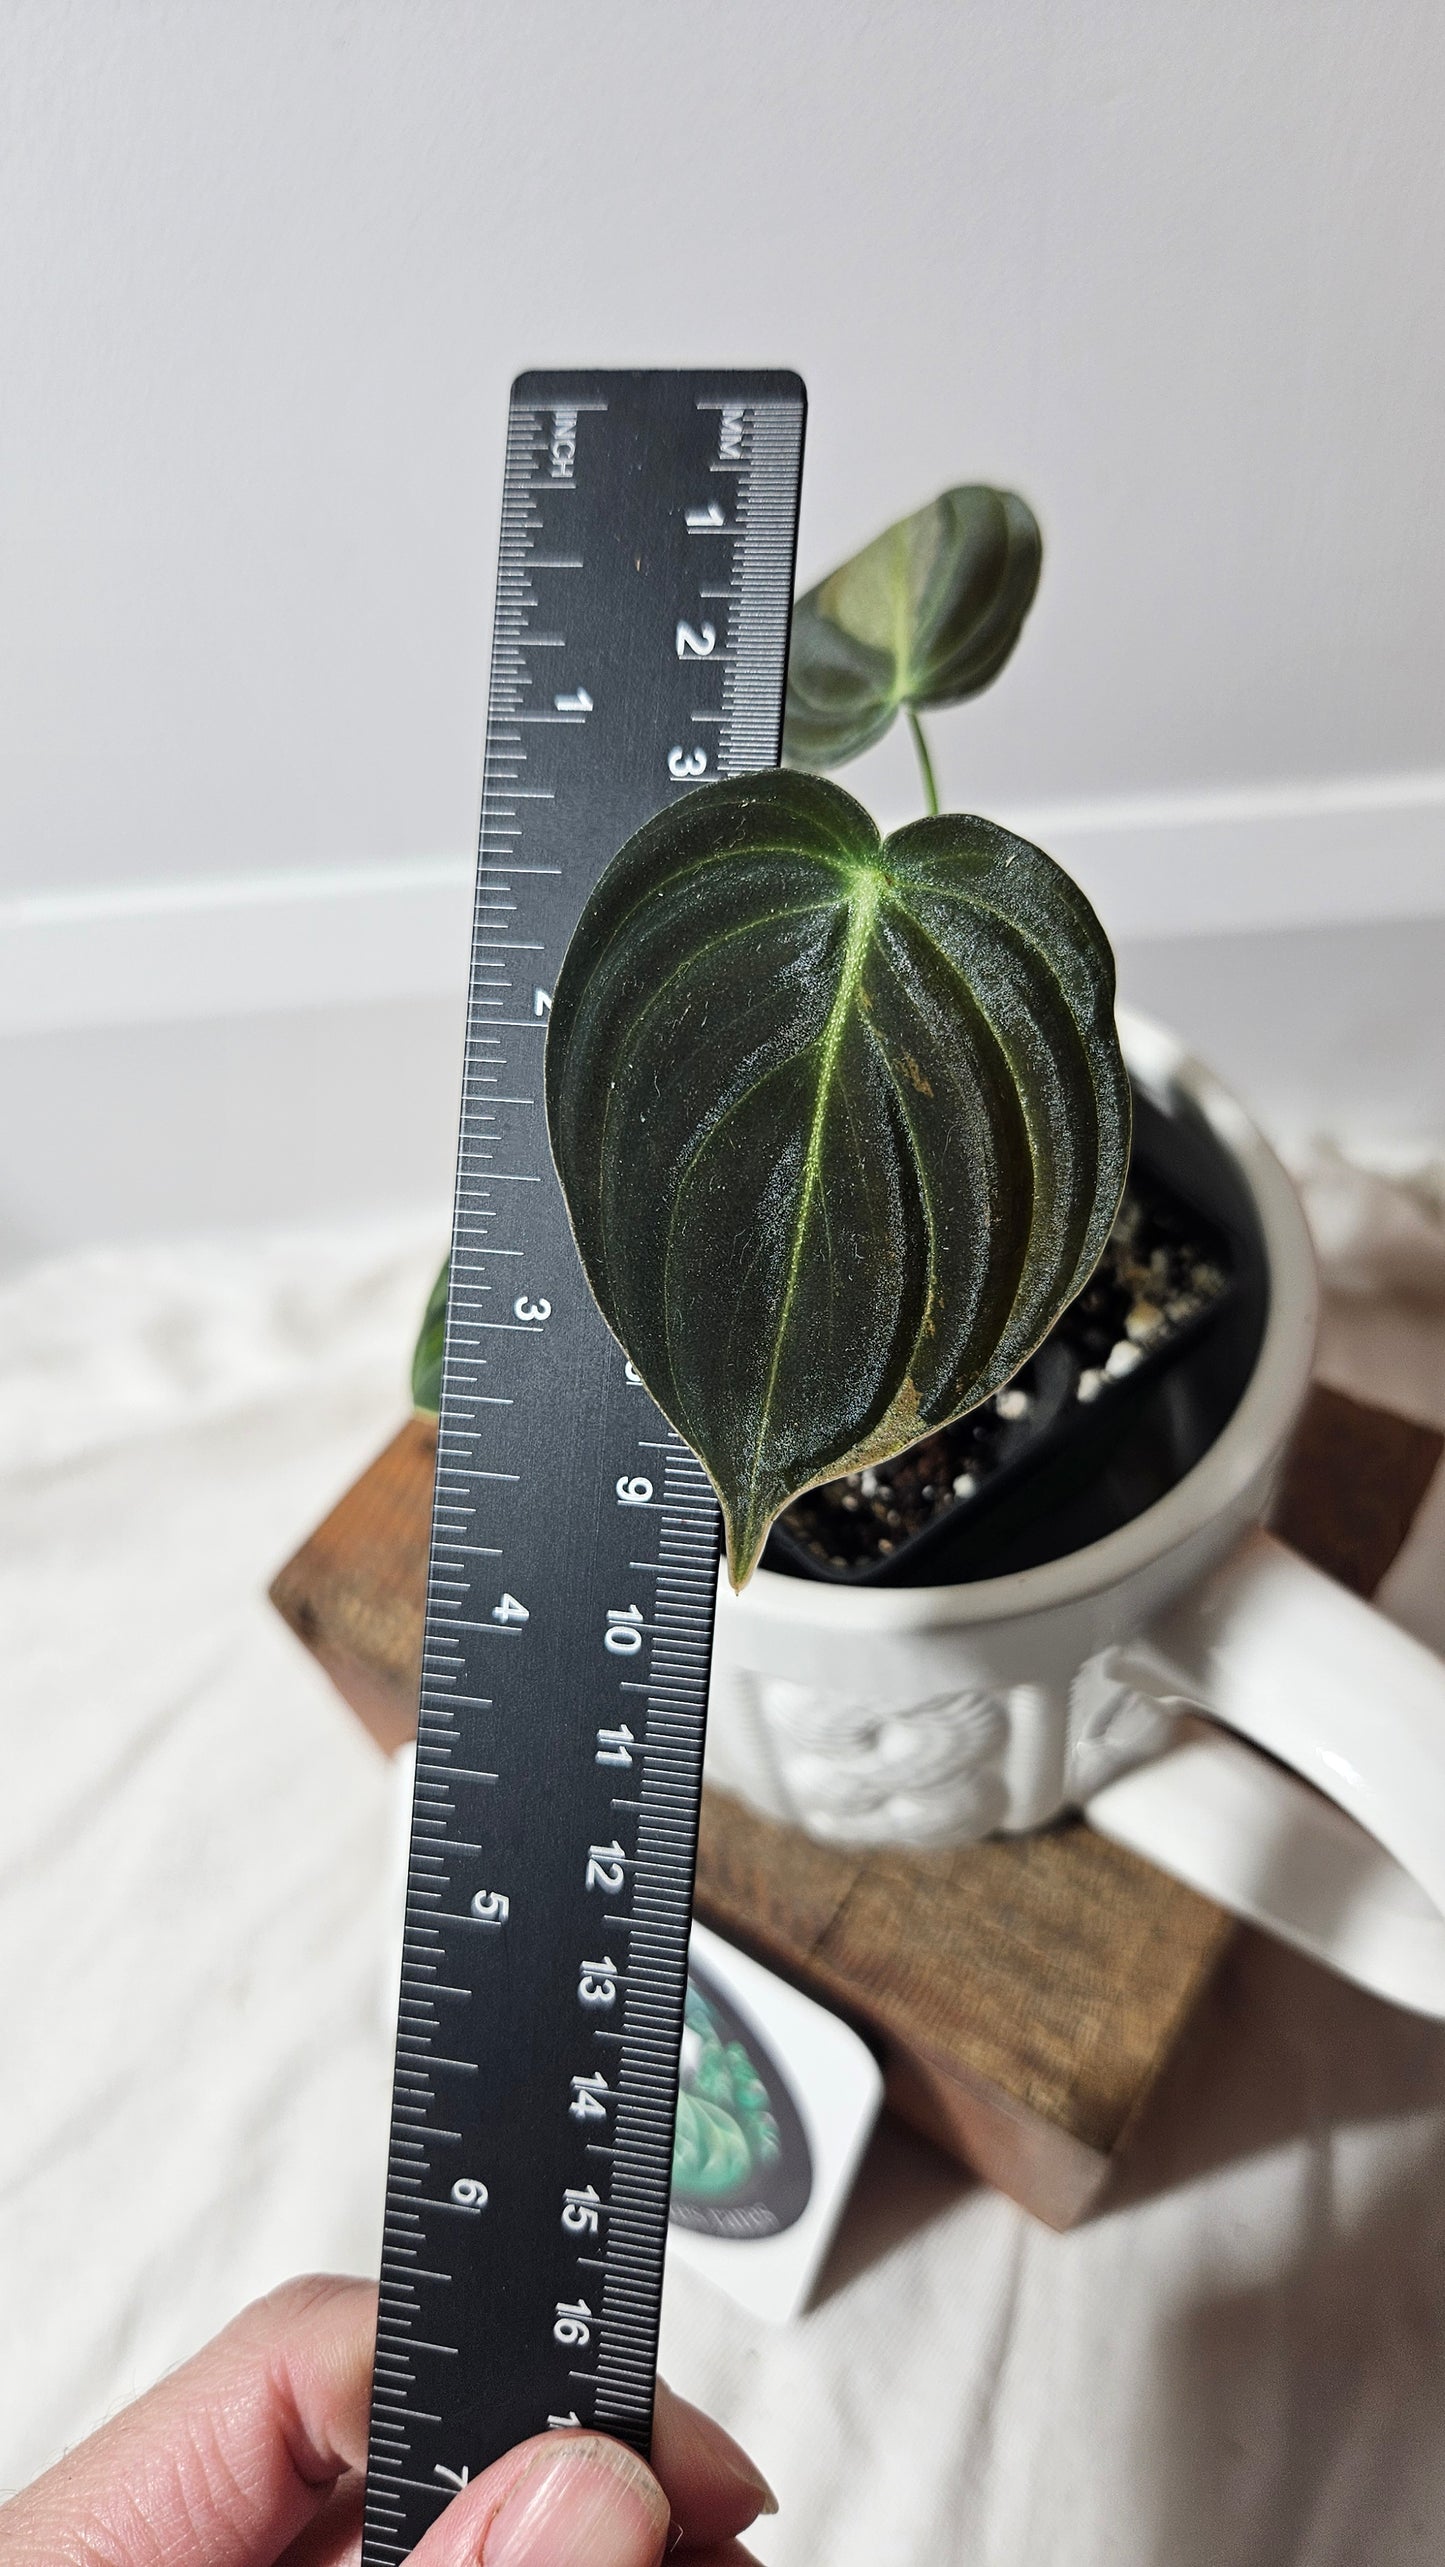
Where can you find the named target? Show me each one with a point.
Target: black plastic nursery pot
(1122, 1398)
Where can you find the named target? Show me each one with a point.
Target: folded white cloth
(1378, 1218)
(1240, 2367)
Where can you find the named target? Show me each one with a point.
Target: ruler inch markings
(558, 1931)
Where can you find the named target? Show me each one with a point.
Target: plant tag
(777, 2102)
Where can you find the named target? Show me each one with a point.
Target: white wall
(266, 271)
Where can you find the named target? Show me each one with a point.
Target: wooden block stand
(1024, 1993)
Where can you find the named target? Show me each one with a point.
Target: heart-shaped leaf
(842, 1124)
(926, 614)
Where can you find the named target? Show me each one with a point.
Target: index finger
(229, 2458)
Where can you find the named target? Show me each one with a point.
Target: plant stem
(925, 762)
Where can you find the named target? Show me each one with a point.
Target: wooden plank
(355, 1592)
(1025, 1993)
(1353, 1482)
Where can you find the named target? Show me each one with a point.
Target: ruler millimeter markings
(644, 585)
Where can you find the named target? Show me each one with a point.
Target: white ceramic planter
(929, 1716)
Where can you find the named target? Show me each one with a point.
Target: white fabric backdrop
(1240, 2366)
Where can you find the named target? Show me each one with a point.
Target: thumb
(564, 2500)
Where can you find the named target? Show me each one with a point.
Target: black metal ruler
(643, 593)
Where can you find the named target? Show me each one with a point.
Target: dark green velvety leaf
(925, 615)
(842, 1124)
(426, 1362)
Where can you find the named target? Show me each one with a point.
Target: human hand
(254, 2452)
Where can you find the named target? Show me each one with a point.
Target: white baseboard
(286, 1048)
(1328, 854)
(1309, 855)
(250, 944)
(304, 1117)
(311, 1114)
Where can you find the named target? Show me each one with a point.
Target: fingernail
(587, 2500)
(743, 2469)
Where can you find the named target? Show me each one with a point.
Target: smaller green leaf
(426, 1362)
(842, 1123)
(926, 614)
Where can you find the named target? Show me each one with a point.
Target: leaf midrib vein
(745, 927)
(867, 893)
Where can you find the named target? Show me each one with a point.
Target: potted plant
(844, 1128)
(903, 1053)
